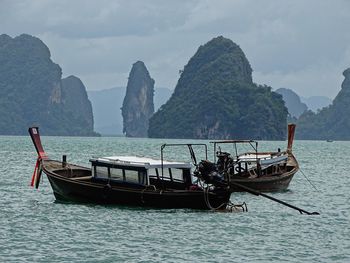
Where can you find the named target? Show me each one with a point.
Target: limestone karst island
(215, 98)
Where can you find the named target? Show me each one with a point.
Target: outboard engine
(207, 171)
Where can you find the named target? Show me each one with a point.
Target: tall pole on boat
(291, 131)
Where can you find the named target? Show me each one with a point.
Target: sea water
(36, 228)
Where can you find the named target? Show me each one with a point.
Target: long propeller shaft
(257, 193)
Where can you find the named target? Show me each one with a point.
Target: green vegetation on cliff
(31, 91)
(332, 122)
(216, 98)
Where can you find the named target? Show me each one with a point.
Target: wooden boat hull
(88, 191)
(274, 183)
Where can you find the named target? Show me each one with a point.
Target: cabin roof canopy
(233, 141)
(138, 161)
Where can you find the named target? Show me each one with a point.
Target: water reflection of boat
(262, 171)
(128, 180)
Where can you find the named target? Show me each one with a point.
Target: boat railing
(252, 143)
(255, 165)
(190, 148)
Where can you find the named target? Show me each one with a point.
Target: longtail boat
(129, 180)
(261, 171)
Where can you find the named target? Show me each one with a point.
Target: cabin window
(132, 176)
(153, 172)
(166, 173)
(177, 174)
(117, 174)
(101, 172)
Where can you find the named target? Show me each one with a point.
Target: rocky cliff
(293, 103)
(332, 122)
(138, 104)
(31, 91)
(75, 99)
(215, 98)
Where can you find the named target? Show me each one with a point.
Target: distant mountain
(106, 106)
(215, 98)
(297, 104)
(293, 102)
(316, 103)
(332, 122)
(32, 92)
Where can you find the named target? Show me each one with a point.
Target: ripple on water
(35, 228)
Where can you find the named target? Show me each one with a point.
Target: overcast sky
(302, 45)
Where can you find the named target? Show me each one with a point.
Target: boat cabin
(141, 171)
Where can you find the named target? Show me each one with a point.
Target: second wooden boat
(261, 171)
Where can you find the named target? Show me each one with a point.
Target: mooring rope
(228, 206)
(308, 180)
(207, 201)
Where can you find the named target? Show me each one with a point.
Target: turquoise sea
(36, 228)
